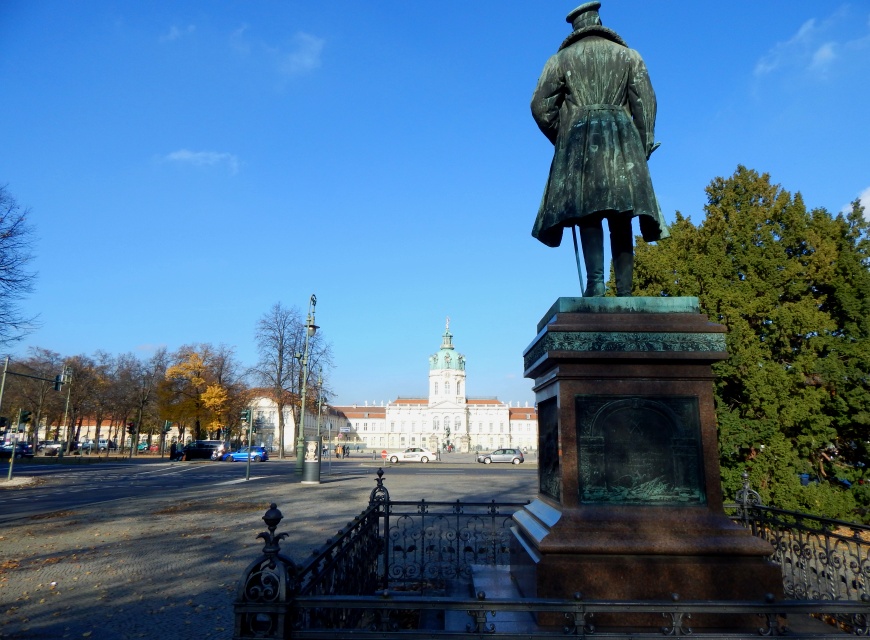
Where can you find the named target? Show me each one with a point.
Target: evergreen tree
(793, 289)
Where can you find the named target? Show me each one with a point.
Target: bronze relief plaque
(639, 450)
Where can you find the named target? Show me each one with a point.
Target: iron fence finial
(379, 493)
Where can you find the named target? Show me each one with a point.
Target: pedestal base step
(495, 582)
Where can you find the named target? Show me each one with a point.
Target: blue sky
(189, 164)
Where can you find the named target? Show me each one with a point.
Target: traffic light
(167, 426)
(246, 416)
(257, 425)
(23, 418)
(131, 428)
(4, 422)
(58, 383)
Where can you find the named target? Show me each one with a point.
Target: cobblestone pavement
(164, 568)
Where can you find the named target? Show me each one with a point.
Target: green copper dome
(447, 357)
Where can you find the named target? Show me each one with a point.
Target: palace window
(436, 388)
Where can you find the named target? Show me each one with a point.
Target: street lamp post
(328, 439)
(248, 417)
(319, 400)
(310, 330)
(67, 379)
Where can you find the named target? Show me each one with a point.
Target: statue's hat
(585, 21)
(586, 15)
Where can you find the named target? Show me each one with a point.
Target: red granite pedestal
(630, 501)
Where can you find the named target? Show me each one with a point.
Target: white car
(412, 454)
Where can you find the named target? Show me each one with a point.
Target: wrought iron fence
(389, 574)
(820, 558)
(431, 544)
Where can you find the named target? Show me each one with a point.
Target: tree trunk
(280, 404)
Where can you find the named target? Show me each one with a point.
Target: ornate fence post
(265, 592)
(746, 500)
(381, 497)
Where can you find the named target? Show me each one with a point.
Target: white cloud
(305, 55)
(301, 55)
(238, 42)
(818, 45)
(204, 159)
(823, 57)
(864, 197)
(784, 51)
(175, 33)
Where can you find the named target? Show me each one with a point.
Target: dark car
(257, 454)
(514, 456)
(200, 449)
(22, 450)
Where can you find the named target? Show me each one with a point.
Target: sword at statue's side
(577, 256)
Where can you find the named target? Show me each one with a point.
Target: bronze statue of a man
(595, 103)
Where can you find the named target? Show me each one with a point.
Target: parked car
(222, 449)
(257, 454)
(200, 449)
(412, 454)
(514, 456)
(105, 444)
(101, 445)
(22, 450)
(49, 447)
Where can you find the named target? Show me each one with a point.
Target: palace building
(445, 417)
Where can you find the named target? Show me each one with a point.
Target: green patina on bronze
(639, 450)
(594, 101)
(620, 305)
(623, 342)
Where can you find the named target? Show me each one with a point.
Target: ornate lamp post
(311, 329)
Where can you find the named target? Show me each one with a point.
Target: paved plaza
(164, 567)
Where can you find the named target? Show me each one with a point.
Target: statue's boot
(622, 251)
(592, 240)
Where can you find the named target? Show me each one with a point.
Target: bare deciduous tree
(16, 281)
(280, 337)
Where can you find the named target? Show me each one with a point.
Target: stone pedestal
(464, 443)
(630, 501)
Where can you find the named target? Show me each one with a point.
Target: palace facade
(445, 417)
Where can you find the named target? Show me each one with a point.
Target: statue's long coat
(595, 103)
